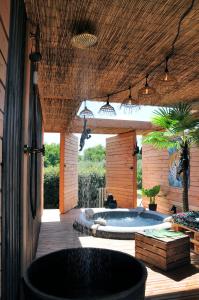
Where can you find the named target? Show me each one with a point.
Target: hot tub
(119, 223)
(85, 273)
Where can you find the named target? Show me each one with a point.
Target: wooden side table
(165, 253)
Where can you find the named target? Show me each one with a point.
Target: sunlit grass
(89, 167)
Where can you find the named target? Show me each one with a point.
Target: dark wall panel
(12, 157)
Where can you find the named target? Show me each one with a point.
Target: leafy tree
(180, 130)
(80, 157)
(51, 155)
(86, 167)
(96, 153)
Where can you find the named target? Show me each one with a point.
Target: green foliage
(51, 155)
(88, 189)
(91, 167)
(51, 176)
(139, 173)
(91, 170)
(151, 193)
(80, 157)
(97, 153)
(51, 187)
(161, 140)
(179, 127)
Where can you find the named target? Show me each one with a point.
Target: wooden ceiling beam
(107, 126)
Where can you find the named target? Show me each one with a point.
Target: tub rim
(115, 296)
(98, 230)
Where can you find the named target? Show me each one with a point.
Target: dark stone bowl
(85, 273)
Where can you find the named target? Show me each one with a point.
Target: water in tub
(133, 221)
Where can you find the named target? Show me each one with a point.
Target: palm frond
(194, 136)
(188, 122)
(163, 122)
(180, 111)
(174, 121)
(162, 118)
(160, 140)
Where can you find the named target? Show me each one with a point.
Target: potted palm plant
(151, 194)
(180, 130)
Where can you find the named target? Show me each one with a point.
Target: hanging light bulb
(130, 104)
(166, 82)
(86, 113)
(148, 94)
(107, 109)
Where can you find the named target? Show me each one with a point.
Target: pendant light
(107, 109)
(148, 94)
(166, 82)
(86, 113)
(130, 104)
(84, 40)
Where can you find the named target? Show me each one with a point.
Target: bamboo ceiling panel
(134, 36)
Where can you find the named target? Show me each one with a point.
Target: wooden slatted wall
(68, 172)
(4, 41)
(155, 165)
(121, 169)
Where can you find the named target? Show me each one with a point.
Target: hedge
(91, 177)
(51, 187)
(88, 189)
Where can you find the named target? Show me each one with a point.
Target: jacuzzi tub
(119, 223)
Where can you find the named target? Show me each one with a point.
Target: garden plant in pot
(151, 194)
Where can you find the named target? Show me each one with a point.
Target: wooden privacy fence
(102, 193)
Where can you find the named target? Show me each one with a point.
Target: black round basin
(85, 273)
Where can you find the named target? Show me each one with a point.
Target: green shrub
(139, 174)
(86, 167)
(51, 157)
(97, 153)
(88, 189)
(51, 187)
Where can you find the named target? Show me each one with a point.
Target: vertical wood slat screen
(68, 172)
(121, 169)
(155, 171)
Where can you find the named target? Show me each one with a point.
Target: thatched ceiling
(133, 37)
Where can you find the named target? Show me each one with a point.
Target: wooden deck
(57, 233)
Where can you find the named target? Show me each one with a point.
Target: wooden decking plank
(179, 284)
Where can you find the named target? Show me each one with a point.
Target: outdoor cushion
(189, 219)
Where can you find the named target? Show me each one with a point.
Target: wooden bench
(193, 234)
(165, 253)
